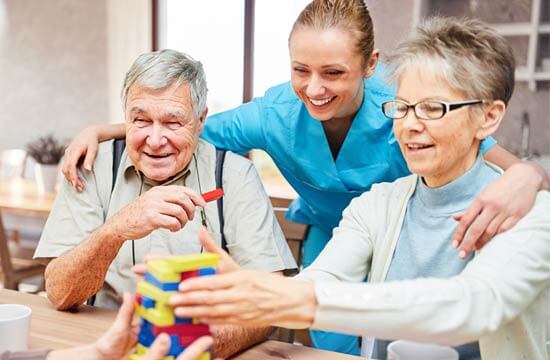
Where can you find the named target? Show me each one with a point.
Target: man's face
(162, 130)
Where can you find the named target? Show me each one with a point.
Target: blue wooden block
(166, 286)
(207, 271)
(184, 320)
(147, 302)
(146, 336)
(175, 347)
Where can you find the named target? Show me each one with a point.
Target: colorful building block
(161, 281)
(166, 286)
(207, 271)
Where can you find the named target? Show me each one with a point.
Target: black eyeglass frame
(447, 106)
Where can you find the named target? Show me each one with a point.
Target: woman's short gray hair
(160, 69)
(469, 55)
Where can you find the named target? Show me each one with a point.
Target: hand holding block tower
(161, 281)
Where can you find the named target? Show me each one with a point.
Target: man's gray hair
(470, 56)
(161, 69)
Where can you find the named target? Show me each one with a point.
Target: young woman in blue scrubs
(329, 138)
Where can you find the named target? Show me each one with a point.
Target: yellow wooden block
(141, 350)
(162, 271)
(134, 357)
(151, 291)
(183, 263)
(160, 316)
(204, 356)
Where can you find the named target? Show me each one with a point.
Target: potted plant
(47, 152)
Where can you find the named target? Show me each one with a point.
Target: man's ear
(493, 113)
(202, 119)
(371, 65)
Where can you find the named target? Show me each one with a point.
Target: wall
(62, 64)
(53, 68)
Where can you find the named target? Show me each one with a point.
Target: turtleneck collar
(459, 193)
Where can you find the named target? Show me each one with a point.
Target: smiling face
(162, 131)
(438, 150)
(326, 72)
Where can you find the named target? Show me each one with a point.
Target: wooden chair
(295, 235)
(18, 264)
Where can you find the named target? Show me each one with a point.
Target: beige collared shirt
(253, 236)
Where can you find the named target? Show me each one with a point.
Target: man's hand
(169, 207)
(247, 298)
(497, 208)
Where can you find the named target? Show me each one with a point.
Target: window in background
(273, 22)
(210, 31)
(525, 23)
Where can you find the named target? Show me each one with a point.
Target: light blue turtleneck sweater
(424, 246)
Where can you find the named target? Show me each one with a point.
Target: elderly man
(94, 237)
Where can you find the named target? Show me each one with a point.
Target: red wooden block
(188, 340)
(138, 299)
(212, 195)
(196, 330)
(189, 274)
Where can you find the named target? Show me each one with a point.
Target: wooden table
(23, 197)
(56, 330)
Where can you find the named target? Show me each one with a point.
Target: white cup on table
(15, 321)
(408, 350)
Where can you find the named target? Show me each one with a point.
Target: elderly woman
(454, 80)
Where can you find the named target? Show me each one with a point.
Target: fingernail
(73, 183)
(462, 254)
(455, 244)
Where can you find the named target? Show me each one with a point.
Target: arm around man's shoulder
(75, 215)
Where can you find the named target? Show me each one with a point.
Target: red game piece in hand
(212, 195)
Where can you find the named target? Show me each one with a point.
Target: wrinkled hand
(161, 346)
(169, 207)
(119, 340)
(497, 209)
(85, 144)
(225, 263)
(247, 298)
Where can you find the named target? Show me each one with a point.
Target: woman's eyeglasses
(427, 110)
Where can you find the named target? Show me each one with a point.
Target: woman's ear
(493, 113)
(373, 61)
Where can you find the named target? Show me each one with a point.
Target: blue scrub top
(280, 124)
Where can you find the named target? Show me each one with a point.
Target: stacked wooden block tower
(161, 281)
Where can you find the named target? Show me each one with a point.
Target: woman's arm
(85, 145)
(495, 287)
(502, 203)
